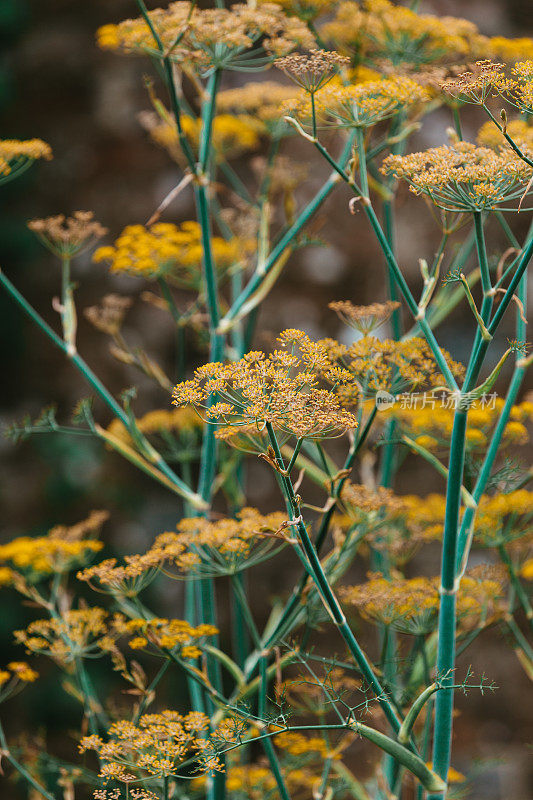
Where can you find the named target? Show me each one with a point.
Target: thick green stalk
(447, 614)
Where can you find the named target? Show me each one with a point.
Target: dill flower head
(162, 421)
(168, 634)
(384, 364)
(260, 101)
(379, 29)
(62, 549)
(67, 236)
(77, 633)
(281, 389)
(431, 425)
(232, 134)
(210, 38)
(461, 176)
(223, 546)
(168, 249)
(510, 50)
(16, 156)
(109, 315)
(486, 78)
(364, 319)
(505, 519)
(518, 129)
(312, 72)
(411, 605)
(157, 745)
(364, 104)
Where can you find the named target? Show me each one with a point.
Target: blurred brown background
(56, 85)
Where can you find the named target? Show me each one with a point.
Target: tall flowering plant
(274, 709)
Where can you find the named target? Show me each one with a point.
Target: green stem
(447, 613)
(327, 595)
(194, 499)
(267, 742)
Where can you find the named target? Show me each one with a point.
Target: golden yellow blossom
(384, 364)
(379, 29)
(305, 9)
(62, 549)
(16, 156)
(79, 632)
(218, 547)
(232, 134)
(461, 176)
(161, 420)
(281, 389)
(13, 677)
(156, 746)
(260, 99)
(199, 33)
(361, 105)
(168, 249)
(167, 634)
(411, 605)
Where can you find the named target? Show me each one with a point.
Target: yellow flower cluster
(431, 427)
(255, 781)
(261, 99)
(297, 744)
(177, 420)
(63, 548)
(379, 29)
(461, 176)
(384, 364)
(15, 155)
(165, 248)
(221, 546)
(78, 632)
(365, 104)
(488, 77)
(281, 389)
(232, 135)
(13, 675)
(157, 745)
(411, 605)
(167, 634)
(510, 50)
(518, 129)
(207, 37)
(505, 518)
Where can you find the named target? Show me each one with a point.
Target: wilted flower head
(109, 315)
(461, 176)
(312, 71)
(16, 156)
(67, 236)
(281, 389)
(364, 319)
(485, 79)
